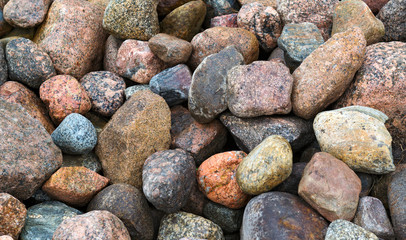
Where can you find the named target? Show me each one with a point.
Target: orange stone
(12, 216)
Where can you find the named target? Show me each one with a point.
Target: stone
(367, 183)
(327, 72)
(228, 219)
(133, 89)
(75, 135)
(217, 180)
(213, 40)
(267, 3)
(138, 129)
(330, 187)
(291, 184)
(342, 229)
(98, 121)
(208, 90)
(129, 205)
(278, 215)
(27, 63)
(6, 237)
(75, 186)
(88, 160)
(3, 67)
(167, 178)
(135, 19)
(29, 156)
(26, 13)
(137, 62)
(185, 21)
(229, 20)
(105, 90)
(375, 5)
(260, 88)
(262, 21)
(101, 225)
(358, 139)
(170, 49)
(15, 92)
(371, 215)
(397, 203)
(39, 196)
(266, 166)
(61, 36)
(44, 218)
(62, 96)
(298, 41)
(13, 214)
(174, 226)
(100, 3)
(172, 84)
(167, 6)
(110, 54)
(219, 8)
(4, 26)
(196, 202)
(393, 15)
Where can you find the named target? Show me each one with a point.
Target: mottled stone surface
(75, 186)
(105, 90)
(397, 203)
(181, 224)
(213, 40)
(330, 187)
(88, 160)
(138, 129)
(185, 21)
(26, 13)
(228, 219)
(375, 5)
(110, 54)
(62, 36)
(260, 88)
(266, 166)
(208, 90)
(229, 20)
(64, 95)
(170, 49)
(278, 215)
(28, 156)
(3, 67)
(166, 6)
(15, 92)
(218, 8)
(216, 178)
(136, 19)
(327, 72)
(13, 214)
(101, 225)
(360, 140)
(342, 229)
(262, 21)
(133, 89)
(291, 184)
(136, 61)
(167, 179)
(393, 16)
(44, 218)
(129, 205)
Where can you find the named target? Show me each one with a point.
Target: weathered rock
(268, 3)
(13, 214)
(342, 229)
(228, 219)
(133, 89)
(375, 5)
(88, 160)
(393, 17)
(291, 184)
(3, 67)
(39, 196)
(26, 13)
(229, 20)
(110, 54)
(167, 6)
(170, 49)
(397, 203)
(219, 8)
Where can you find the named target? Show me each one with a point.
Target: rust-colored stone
(12, 215)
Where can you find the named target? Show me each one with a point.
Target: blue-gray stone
(228, 219)
(75, 135)
(133, 89)
(44, 218)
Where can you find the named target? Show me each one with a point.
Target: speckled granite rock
(15, 92)
(185, 21)
(181, 224)
(268, 3)
(397, 203)
(327, 72)
(213, 40)
(136, 19)
(218, 8)
(3, 67)
(26, 13)
(260, 88)
(133, 89)
(229, 20)
(345, 230)
(4, 26)
(208, 90)
(291, 184)
(170, 49)
(129, 204)
(13, 214)
(101, 225)
(24, 137)
(369, 150)
(105, 90)
(88, 160)
(44, 218)
(266, 166)
(100, 3)
(278, 215)
(64, 95)
(27, 63)
(61, 36)
(375, 5)
(216, 178)
(141, 126)
(228, 219)
(393, 16)
(167, 179)
(110, 54)
(166, 6)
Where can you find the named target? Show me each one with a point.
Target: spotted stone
(393, 16)
(26, 13)
(343, 229)
(13, 214)
(110, 54)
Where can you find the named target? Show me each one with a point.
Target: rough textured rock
(375, 5)
(110, 54)
(167, 6)
(218, 8)
(268, 3)
(133, 89)
(278, 215)
(136, 19)
(3, 67)
(229, 20)
(269, 164)
(26, 13)
(167, 178)
(228, 219)
(129, 205)
(28, 146)
(330, 187)
(138, 129)
(260, 88)
(88, 160)
(327, 72)
(13, 214)
(393, 16)
(170, 49)
(208, 90)
(291, 184)
(342, 229)
(61, 36)
(397, 203)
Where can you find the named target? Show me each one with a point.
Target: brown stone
(170, 49)
(26, 13)
(397, 203)
(101, 3)
(110, 54)
(267, 3)
(375, 5)
(12, 215)
(229, 20)
(167, 6)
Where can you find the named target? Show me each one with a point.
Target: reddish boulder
(170, 49)
(26, 13)
(12, 215)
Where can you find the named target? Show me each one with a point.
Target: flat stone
(170, 49)
(228, 219)
(110, 54)
(133, 89)
(345, 230)
(229, 20)
(393, 15)
(291, 184)
(88, 160)
(26, 13)
(375, 5)
(13, 214)
(397, 203)
(167, 6)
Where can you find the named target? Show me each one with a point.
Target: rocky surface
(170, 49)
(342, 229)
(13, 214)
(392, 14)
(397, 203)
(26, 13)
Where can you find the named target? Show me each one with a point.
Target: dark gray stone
(367, 182)
(3, 67)
(228, 219)
(393, 17)
(397, 203)
(291, 184)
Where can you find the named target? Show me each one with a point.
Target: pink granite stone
(229, 20)
(375, 5)
(26, 13)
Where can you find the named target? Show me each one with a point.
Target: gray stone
(3, 67)
(88, 160)
(228, 219)
(291, 184)
(26, 13)
(133, 89)
(397, 203)
(344, 230)
(393, 17)
(367, 182)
